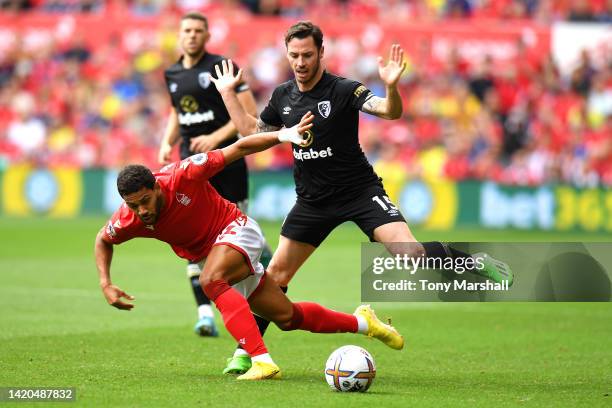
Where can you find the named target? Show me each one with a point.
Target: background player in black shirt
(199, 119)
(334, 181)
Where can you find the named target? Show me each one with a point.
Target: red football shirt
(193, 214)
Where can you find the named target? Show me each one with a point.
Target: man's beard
(311, 77)
(158, 206)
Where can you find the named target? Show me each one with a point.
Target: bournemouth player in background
(179, 206)
(200, 121)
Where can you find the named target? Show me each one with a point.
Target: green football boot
(238, 365)
(494, 269)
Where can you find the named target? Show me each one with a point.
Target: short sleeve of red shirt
(120, 227)
(201, 166)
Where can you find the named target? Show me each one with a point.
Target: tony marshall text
(423, 284)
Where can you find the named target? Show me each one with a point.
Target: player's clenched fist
(294, 134)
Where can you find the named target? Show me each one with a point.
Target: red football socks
(317, 319)
(237, 316)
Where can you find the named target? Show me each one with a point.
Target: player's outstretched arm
(104, 255)
(226, 83)
(171, 136)
(262, 141)
(205, 143)
(389, 107)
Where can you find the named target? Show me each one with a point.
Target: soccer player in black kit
(200, 120)
(334, 181)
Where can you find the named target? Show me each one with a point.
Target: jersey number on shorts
(229, 230)
(385, 206)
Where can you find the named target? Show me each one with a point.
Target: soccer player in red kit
(179, 206)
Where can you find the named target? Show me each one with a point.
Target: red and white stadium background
(551, 207)
(424, 42)
(473, 40)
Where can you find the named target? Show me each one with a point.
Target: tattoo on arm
(373, 105)
(264, 127)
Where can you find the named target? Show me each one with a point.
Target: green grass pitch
(57, 330)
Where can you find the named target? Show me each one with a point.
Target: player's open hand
(391, 72)
(114, 294)
(226, 81)
(295, 134)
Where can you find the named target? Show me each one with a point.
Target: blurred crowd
(518, 123)
(545, 11)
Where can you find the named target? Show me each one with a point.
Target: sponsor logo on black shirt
(311, 154)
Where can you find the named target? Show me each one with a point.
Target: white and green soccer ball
(350, 369)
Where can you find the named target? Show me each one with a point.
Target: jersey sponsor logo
(183, 199)
(360, 89)
(308, 138)
(204, 79)
(311, 154)
(173, 87)
(286, 110)
(324, 108)
(199, 159)
(117, 224)
(198, 117)
(189, 104)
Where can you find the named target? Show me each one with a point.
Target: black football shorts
(369, 208)
(232, 183)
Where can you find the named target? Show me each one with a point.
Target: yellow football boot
(261, 371)
(379, 330)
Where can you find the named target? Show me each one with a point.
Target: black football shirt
(198, 104)
(333, 163)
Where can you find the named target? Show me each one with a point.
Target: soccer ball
(350, 369)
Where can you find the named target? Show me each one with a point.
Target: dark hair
(195, 15)
(133, 178)
(305, 29)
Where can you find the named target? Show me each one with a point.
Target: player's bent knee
(283, 318)
(291, 320)
(213, 288)
(204, 279)
(208, 277)
(285, 324)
